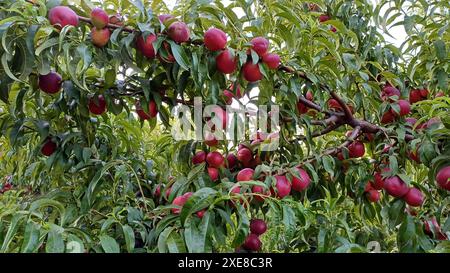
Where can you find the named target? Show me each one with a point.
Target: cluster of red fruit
(100, 34)
(252, 242)
(177, 31)
(394, 186)
(401, 107)
(226, 61)
(247, 160)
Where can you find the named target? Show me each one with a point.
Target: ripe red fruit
(251, 72)
(99, 18)
(283, 186)
(165, 53)
(272, 60)
(301, 183)
(334, 105)
(50, 83)
(443, 178)
(369, 137)
(152, 110)
(252, 243)
(146, 46)
(389, 91)
(356, 149)
(261, 191)
(48, 148)
(236, 190)
(199, 157)
(378, 182)
(63, 16)
(244, 155)
(416, 95)
(405, 108)
(368, 187)
(226, 62)
(157, 192)
(100, 37)
(324, 18)
(411, 121)
(179, 32)
(213, 173)
(180, 201)
(302, 108)
(373, 196)
(439, 94)
(245, 175)
(163, 17)
(414, 197)
(97, 106)
(231, 161)
(395, 187)
(215, 159)
(387, 117)
(200, 213)
(413, 155)
(238, 90)
(215, 39)
(257, 226)
(260, 45)
(210, 140)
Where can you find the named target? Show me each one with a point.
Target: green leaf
(109, 244)
(198, 201)
(129, 237)
(55, 242)
(179, 54)
(195, 234)
(31, 238)
(441, 53)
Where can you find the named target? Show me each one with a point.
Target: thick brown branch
(345, 108)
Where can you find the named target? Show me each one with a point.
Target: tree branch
(347, 112)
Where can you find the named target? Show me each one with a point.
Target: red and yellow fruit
(100, 37)
(99, 18)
